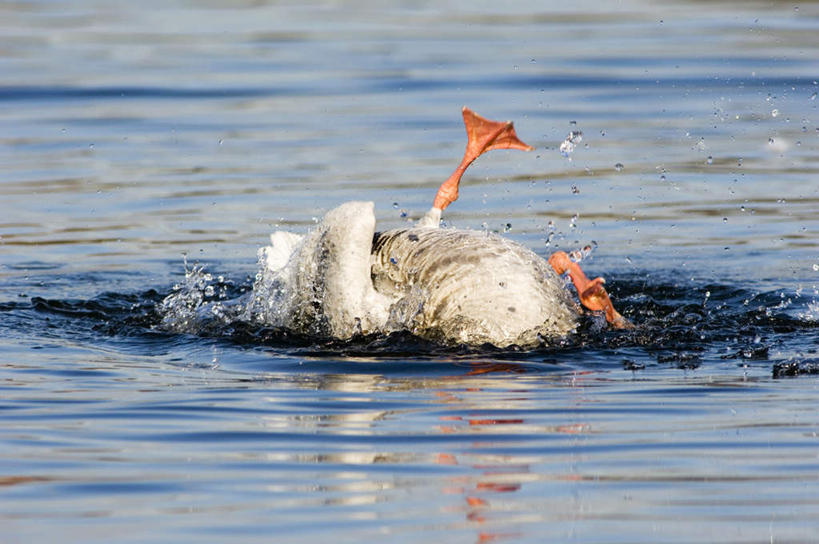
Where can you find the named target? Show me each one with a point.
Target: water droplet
(816, 267)
(619, 166)
(724, 219)
(395, 205)
(575, 190)
(507, 227)
(813, 96)
(774, 112)
(710, 160)
(662, 177)
(770, 141)
(571, 141)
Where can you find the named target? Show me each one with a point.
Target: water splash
(811, 313)
(568, 145)
(584, 253)
(200, 301)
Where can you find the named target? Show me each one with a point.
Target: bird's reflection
(485, 495)
(479, 417)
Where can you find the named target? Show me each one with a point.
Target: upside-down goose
(448, 285)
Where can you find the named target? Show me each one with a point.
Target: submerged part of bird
(448, 285)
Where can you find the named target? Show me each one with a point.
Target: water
(132, 135)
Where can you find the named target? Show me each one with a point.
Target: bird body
(446, 285)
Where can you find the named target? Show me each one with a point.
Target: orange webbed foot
(483, 135)
(591, 292)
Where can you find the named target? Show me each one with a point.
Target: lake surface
(141, 140)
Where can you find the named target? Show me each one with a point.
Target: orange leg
(483, 135)
(591, 292)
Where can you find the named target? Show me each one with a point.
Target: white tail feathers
(283, 244)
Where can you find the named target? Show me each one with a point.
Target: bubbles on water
(568, 145)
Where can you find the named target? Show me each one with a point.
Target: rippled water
(132, 135)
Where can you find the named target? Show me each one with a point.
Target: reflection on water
(479, 457)
(131, 134)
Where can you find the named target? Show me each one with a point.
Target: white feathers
(455, 286)
(282, 245)
(431, 219)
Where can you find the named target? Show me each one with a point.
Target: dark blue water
(135, 135)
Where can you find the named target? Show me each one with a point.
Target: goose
(447, 285)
